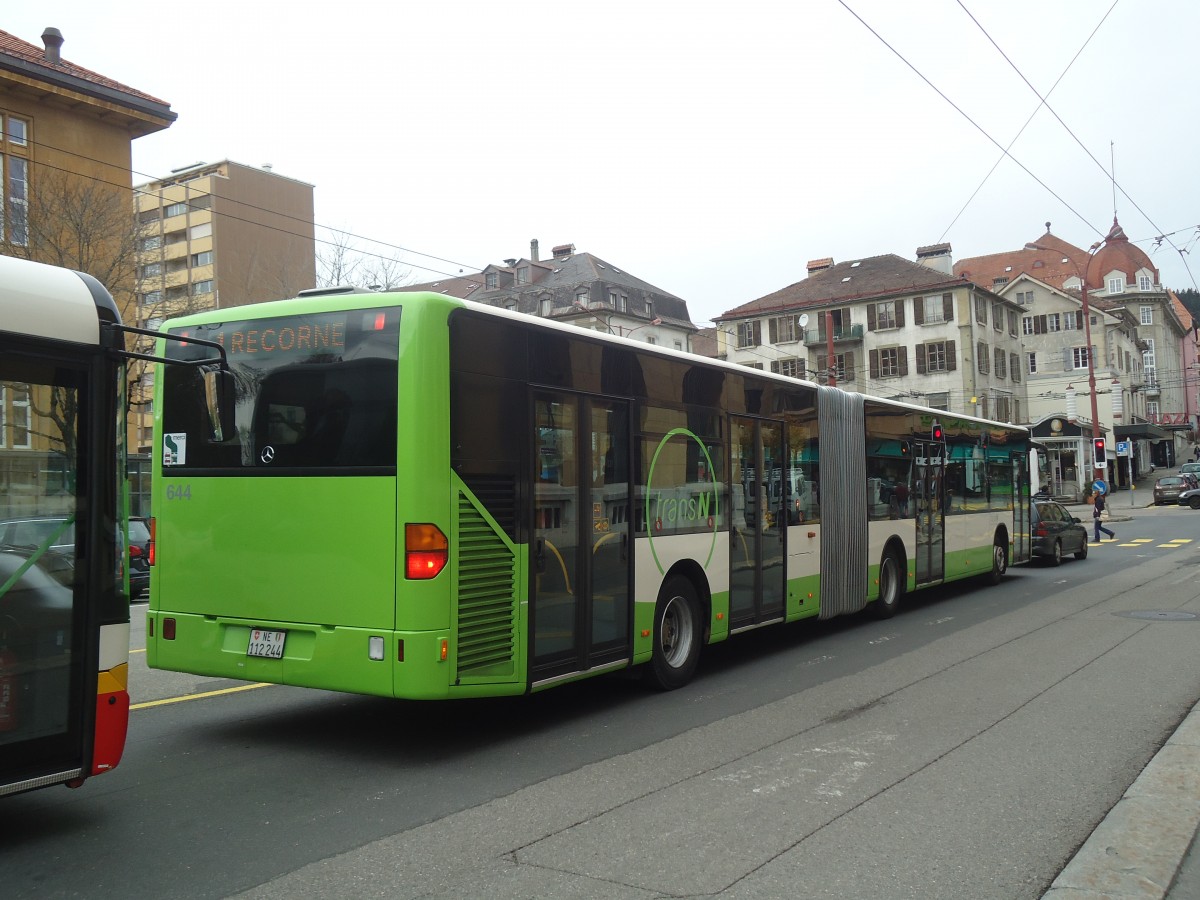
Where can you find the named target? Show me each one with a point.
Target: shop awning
(1143, 430)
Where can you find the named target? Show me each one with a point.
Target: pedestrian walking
(1097, 514)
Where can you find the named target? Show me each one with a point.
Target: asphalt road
(965, 748)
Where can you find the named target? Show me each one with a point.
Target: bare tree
(340, 261)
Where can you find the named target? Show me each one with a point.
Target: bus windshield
(313, 391)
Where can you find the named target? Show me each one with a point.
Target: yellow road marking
(1129, 545)
(1142, 541)
(1168, 546)
(143, 650)
(232, 690)
(1180, 541)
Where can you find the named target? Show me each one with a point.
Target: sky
(708, 148)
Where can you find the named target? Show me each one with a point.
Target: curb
(1138, 849)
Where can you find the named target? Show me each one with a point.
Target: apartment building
(900, 329)
(222, 235)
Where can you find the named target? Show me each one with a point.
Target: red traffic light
(1100, 456)
(937, 433)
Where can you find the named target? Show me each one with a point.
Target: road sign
(1122, 448)
(1099, 486)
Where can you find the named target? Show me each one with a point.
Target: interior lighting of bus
(426, 551)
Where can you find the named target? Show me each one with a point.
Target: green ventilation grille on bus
(486, 603)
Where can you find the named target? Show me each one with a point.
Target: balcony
(850, 335)
(1151, 389)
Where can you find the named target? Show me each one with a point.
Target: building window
(200, 231)
(21, 425)
(18, 132)
(1072, 321)
(789, 366)
(1145, 283)
(523, 275)
(1025, 298)
(753, 366)
(491, 281)
(981, 310)
(782, 330)
(150, 243)
(679, 345)
(1003, 408)
(174, 209)
(1152, 410)
(749, 334)
(151, 297)
(202, 287)
(888, 362)
(152, 270)
(936, 356)
(1031, 363)
(1027, 325)
(939, 400)
(202, 259)
(15, 196)
(1147, 315)
(651, 339)
(1116, 284)
(1014, 366)
(1053, 323)
(1001, 363)
(997, 317)
(1079, 357)
(1012, 322)
(545, 306)
(883, 315)
(983, 357)
(932, 310)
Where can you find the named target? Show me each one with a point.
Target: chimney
(937, 257)
(510, 262)
(533, 250)
(563, 251)
(53, 40)
(819, 265)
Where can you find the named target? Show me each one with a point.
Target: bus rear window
(315, 391)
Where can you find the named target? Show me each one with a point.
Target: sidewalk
(1148, 846)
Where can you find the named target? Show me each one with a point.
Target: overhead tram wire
(1044, 102)
(135, 191)
(1033, 114)
(960, 111)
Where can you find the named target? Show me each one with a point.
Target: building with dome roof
(1149, 404)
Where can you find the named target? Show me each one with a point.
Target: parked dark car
(1168, 488)
(1056, 532)
(1190, 497)
(139, 559)
(50, 536)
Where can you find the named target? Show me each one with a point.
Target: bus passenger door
(1021, 499)
(929, 492)
(760, 479)
(581, 539)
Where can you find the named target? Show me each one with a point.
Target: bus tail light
(150, 545)
(168, 629)
(426, 551)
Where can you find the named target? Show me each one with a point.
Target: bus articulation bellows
(421, 497)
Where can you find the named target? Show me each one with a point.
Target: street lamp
(1098, 469)
(655, 321)
(583, 309)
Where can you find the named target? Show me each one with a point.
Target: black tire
(1056, 554)
(678, 635)
(891, 586)
(1081, 553)
(999, 563)
(1194, 502)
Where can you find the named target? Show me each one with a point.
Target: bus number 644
(179, 492)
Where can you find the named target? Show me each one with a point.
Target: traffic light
(1100, 456)
(936, 432)
(905, 448)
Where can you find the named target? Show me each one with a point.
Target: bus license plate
(266, 643)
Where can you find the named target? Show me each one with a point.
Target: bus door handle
(539, 556)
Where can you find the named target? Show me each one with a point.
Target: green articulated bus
(410, 495)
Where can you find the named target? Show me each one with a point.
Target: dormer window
(491, 281)
(1145, 283)
(1116, 284)
(523, 275)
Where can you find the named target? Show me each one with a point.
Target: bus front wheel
(677, 636)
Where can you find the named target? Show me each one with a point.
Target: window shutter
(920, 359)
(1039, 325)
(1068, 362)
(1014, 366)
(773, 332)
(757, 332)
(775, 366)
(801, 368)
(822, 367)
(900, 313)
(870, 317)
(873, 355)
(948, 307)
(902, 355)
(951, 359)
(919, 310)
(849, 357)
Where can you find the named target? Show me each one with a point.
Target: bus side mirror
(220, 400)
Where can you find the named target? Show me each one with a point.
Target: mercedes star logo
(268, 454)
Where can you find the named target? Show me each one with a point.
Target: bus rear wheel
(999, 562)
(677, 636)
(891, 586)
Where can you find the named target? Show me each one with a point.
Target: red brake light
(426, 551)
(150, 545)
(135, 550)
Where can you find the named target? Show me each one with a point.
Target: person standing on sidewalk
(1097, 512)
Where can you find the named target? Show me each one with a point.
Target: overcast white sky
(709, 148)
